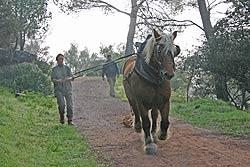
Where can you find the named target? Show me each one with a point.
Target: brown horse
(147, 85)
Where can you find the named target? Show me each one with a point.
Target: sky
(91, 29)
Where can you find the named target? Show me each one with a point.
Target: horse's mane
(148, 49)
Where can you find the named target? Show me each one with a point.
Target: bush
(25, 77)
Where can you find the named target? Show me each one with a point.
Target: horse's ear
(174, 35)
(157, 35)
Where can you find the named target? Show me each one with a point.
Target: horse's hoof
(162, 136)
(138, 128)
(151, 149)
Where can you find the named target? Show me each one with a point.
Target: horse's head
(159, 53)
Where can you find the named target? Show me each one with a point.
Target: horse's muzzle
(166, 75)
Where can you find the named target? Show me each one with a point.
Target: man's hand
(66, 79)
(69, 78)
(60, 80)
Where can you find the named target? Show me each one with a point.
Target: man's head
(60, 58)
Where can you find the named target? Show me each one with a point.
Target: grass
(31, 136)
(215, 115)
(119, 88)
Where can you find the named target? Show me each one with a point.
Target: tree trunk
(205, 17)
(22, 40)
(132, 26)
(221, 88)
(220, 81)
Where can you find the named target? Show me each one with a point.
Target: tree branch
(106, 4)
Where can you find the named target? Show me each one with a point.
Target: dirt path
(99, 118)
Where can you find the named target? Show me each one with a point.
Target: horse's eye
(160, 47)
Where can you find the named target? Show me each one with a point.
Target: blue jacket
(110, 69)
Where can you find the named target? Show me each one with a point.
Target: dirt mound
(100, 118)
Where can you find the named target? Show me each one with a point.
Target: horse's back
(128, 66)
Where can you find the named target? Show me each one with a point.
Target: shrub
(25, 76)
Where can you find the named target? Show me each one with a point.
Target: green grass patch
(31, 135)
(120, 89)
(214, 115)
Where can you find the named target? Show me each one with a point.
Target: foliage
(227, 53)
(224, 56)
(80, 60)
(215, 115)
(31, 136)
(25, 77)
(8, 24)
(120, 92)
(231, 45)
(33, 45)
(27, 19)
(196, 81)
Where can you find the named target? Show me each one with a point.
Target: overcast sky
(92, 28)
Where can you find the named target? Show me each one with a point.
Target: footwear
(70, 122)
(62, 118)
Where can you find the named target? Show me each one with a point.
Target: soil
(99, 118)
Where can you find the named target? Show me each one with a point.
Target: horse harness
(148, 72)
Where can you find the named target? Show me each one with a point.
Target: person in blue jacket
(110, 70)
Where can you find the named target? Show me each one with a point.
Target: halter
(158, 52)
(154, 73)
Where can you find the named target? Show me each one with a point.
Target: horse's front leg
(154, 116)
(164, 121)
(150, 147)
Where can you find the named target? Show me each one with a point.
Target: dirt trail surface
(99, 118)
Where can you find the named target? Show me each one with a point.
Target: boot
(62, 118)
(70, 122)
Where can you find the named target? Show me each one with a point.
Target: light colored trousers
(61, 98)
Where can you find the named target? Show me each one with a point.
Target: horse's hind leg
(137, 124)
(154, 115)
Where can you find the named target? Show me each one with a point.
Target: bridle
(159, 53)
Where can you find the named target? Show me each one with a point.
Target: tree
(220, 80)
(80, 60)
(227, 52)
(72, 58)
(149, 12)
(28, 18)
(8, 24)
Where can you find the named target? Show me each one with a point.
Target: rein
(99, 67)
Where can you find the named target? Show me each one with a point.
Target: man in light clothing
(61, 77)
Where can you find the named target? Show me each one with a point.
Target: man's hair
(108, 56)
(59, 55)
